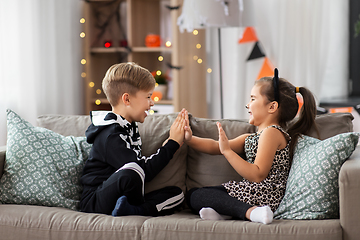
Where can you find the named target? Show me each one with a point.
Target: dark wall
(354, 49)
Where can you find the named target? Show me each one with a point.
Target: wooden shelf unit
(138, 18)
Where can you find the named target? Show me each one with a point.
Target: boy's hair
(126, 78)
(288, 107)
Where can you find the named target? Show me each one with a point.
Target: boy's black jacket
(115, 143)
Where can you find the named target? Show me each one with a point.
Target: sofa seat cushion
(185, 225)
(42, 223)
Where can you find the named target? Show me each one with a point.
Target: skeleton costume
(116, 168)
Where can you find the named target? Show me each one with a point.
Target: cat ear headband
(276, 85)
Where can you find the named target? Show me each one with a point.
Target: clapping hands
(180, 130)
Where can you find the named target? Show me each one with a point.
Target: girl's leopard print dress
(271, 190)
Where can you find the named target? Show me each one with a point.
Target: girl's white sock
(262, 215)
(210, 214)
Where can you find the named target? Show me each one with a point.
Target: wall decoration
(257, 52)
(267, 69)
(249, 35)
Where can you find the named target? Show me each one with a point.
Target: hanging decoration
(266, 70)
(257, 52)
(249, 35)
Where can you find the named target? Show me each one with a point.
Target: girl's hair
(288, 107)
(126, 78)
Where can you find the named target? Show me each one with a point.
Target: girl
(269, 151)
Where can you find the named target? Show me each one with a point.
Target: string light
(83, 61)
(98, 91)
(158, 72)
(83, 74)
(195, 57)
(151, 112)
(199, 61)
(195, 32)
(209, 70)
(82, 20)
(91, 84)
(160, 58)
(198, 46)
(82, 34)
(97, 102)
(168, 44)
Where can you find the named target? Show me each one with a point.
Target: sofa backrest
(188, 168)
(2, 159)
(154, 131)
(67, 125)
(206, 170)
(211, 170)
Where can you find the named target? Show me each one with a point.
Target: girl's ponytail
(306, 119)
(289, 106)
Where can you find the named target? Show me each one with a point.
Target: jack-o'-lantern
(152, 40)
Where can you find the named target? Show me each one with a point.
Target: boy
(114, 174)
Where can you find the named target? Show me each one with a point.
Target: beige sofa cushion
(67, 125)
(185, 225)
(332, 124)
(44, 223)
(208, 170)
(154, 131)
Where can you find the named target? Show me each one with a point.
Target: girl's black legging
(218, 199)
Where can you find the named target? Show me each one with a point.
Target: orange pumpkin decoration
(152, 40)
(156, 96)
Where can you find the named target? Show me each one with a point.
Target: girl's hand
(188, 131)
(223, 140)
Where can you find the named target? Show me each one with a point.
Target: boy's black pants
(128, 182)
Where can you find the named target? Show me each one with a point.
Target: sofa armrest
(349, 196)
(2, 159)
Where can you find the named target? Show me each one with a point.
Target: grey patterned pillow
(42, 167)
(312, 190)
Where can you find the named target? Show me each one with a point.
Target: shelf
(133, 20)
(109, 50)
(151, 49)
(164, 102)
(127, 50)
(161, 102)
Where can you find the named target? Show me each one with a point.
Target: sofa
(187, 169)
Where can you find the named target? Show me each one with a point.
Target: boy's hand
(177, 129)
(223, 140)
(188, 131)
